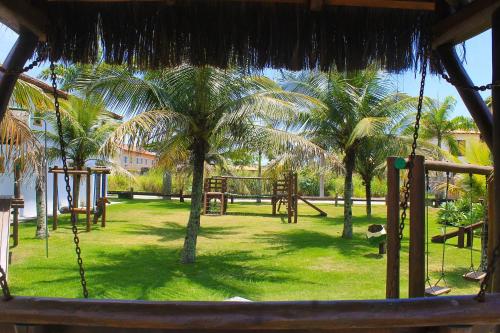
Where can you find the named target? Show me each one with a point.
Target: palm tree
(196, 110)
(86, 127)
(438, 124)
(358, 105)
(25, 146)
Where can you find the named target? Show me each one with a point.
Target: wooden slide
(5, 203)
(321, 212)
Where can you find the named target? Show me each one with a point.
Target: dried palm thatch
(248, 34)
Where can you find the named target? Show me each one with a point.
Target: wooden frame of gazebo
(31, 19)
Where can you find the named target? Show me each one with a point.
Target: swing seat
(474, 276)
(437, 291)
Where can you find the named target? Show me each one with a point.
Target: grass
(248, 253)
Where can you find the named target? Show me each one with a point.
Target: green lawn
(248, 253)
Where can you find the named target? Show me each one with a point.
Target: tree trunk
(349, 162)
(368, 191)
(76, 191)
(322, 177)
(41, 227)
(259, 173)
(167, 184)
(189, 250)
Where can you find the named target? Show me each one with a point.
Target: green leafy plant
(459, 213)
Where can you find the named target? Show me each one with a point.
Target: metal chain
(25, 69)
(406, 199)
(62, 144)
(485, 87)
(5, 287)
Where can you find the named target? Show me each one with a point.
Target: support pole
(55, 201)
(495, 35)
(17, 194)
(295, 198)
(88, 199)
(393, 243)
(21, 51)
(471, 98)
(289, 199)
(416, 283)
(491, 220)
(274, 197)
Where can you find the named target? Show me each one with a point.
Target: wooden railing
(414, 315)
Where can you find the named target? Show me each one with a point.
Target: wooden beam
(468, 22)
(458, 168)
(231, 316)
(314, 5)
(19, 15)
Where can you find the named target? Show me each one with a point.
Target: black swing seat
(437, 291)
(474, 276)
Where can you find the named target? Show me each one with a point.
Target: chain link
(25, 69)
(406, 198)
(485, 87)
(5, 287)
(74, 227)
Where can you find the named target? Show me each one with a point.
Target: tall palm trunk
(368, 192)
(41, 227)
(167, 184)
(349, 163)
(189, 250)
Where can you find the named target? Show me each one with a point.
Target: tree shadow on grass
(154, 272)
(357, 221)
(296, 240)
(171, 231)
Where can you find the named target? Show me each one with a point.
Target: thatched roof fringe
(258, 35)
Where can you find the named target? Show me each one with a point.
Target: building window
(461, 144)
(125, 159)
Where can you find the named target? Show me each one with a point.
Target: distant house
(464, 138)
(136, 160)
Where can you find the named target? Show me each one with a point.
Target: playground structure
(6, 204)
(74, 40)
(418, 275)
(284, 194)
(99, 203)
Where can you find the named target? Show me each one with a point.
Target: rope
(442, 277)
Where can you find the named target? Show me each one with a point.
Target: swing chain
(5, 287)
(485, 87)
(25, 69)
(74, 227)
(407, 185)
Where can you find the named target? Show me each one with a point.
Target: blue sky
(478, 65)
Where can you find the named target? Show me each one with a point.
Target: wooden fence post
(416, 285)
(393, 243)
(55, 201)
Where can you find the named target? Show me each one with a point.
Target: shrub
(459, 213)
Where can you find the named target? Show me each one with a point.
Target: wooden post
(88, 199)
(274, 198)
(336, 199)
(295, 198)
(17, 194)
(491, 220)
(289, 198)
(461, 237)
(104, 193)
(393, 243)
(55, 202)
(495, 35)
(97, 186)
(416, 285)
(14, 62)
